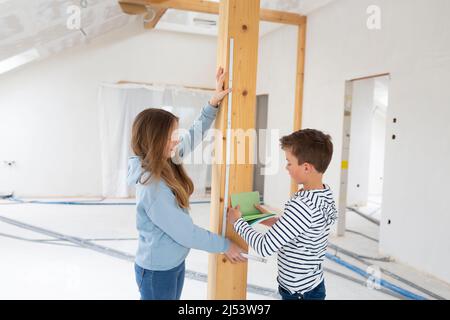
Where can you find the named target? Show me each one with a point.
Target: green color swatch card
(247, 201)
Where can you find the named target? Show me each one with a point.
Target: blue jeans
(318, 293)
(160, 285)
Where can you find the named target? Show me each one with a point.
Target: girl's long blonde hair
(151, 132)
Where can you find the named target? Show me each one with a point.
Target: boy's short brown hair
(310, 145)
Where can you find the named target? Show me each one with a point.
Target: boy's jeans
(318, 293)
(160, 285)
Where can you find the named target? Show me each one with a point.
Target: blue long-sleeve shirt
(166, 231)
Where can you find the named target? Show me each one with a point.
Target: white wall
(48, 110)
(276, 77)
(376, 167)
(340, 48)
(414, 46)
(377, 152)
(360, 142)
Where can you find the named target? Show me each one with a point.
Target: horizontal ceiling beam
(130, 8)
(281, 17)
(157, 15)
(203, 6)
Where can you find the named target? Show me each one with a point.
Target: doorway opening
(363, 149)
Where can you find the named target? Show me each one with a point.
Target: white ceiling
(41, 24)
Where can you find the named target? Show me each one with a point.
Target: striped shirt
(300, 236)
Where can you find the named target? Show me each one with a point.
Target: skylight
(18, 60)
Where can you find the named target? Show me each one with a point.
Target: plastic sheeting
(118, 107)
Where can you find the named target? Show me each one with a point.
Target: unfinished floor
(34, 268)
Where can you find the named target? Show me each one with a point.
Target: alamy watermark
(374, 279)
(374, 17)
(73, 21)
(247, 147)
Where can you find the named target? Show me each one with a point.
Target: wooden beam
(201, 6)
(238, 20)
(210, 7)
(158, 13)
(281, 17)
(298, 108)
(139, 9)
(133, 9)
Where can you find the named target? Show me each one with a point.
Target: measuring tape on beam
(228, 144)
(228, 153)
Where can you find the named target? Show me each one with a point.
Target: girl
(166, 231)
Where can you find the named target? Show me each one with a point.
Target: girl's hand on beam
(220, 91)
(234, 253)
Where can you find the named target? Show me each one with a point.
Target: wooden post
(238, 20)
(298, 109)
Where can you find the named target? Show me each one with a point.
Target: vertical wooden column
(298, 108)
(239, 20)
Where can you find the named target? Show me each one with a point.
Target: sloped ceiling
(42, 24)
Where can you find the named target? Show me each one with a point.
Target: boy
(301, 233)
